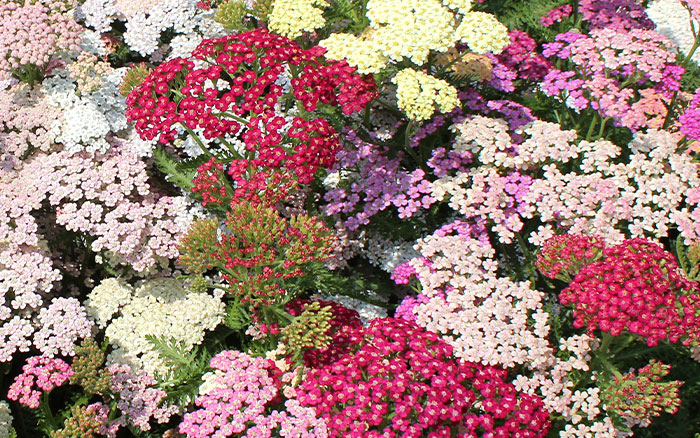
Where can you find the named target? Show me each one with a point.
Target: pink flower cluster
(237, 403)
(381, 184)
(556, 15)
(690, 119)
(564, 255)
(138, 400)
(639, 288)
(40, 371)
(32, 32)
(402, 381)
(606, 64)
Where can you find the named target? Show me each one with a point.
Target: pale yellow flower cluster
(162, 308)
(411, 29)
(291, 18)
(419, 94)
(482, 32)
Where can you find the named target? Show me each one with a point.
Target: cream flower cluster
(292, 17)
(419, 94)
(482, 32)
(5, 419)
(159, 307)
(411, 29)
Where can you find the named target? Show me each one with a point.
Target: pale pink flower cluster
(484, 317)
(139, 401)
(61, 325)
(550, 381)
(32, 33)
(234, 404)
(653, 190)
(88, 71)
(108, 196)
(23, 126)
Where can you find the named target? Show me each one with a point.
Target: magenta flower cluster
(40, 374)
(637, 287)
(402, 381)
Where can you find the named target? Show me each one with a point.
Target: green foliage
(180, 172)
(236, 316)
(318, 278)
(185, 369)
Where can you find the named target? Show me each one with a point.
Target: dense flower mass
(398, 367)
(636, 287)
(349, 218)
(240, 91)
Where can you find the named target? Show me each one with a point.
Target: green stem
(199, 142)
(591, 127)
(46, 409)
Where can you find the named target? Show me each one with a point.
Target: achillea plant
(637, 287)
(240, 91)
(400, 380)
(257, 251)
(564, 255)
(638, 396)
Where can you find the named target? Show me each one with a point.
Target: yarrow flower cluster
(238, 92)
(32, 33)
(258, 249)
(236, 403)
(563, 256)
(412, 29)
(640, 395)
(399, 368)
(636, 287)
(420, 94)
(161, 308)
(41, 372)
(290, 18)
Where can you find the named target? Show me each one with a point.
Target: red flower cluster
(340, 343)
(637, 287)
(208, 184)
(241, 87)
(399, 380)
(563, 256)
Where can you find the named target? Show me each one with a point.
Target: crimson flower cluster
(402, 381)
(637, 287)
(564, 255)
(241, 89)
(342, 317)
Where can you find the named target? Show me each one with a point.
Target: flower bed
(349, 218)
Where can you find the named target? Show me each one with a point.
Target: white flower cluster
(366, 310)
(87, 119)
(5, 419)
(147, 19)
(159, 307)
(673, 20)
(387, 254)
